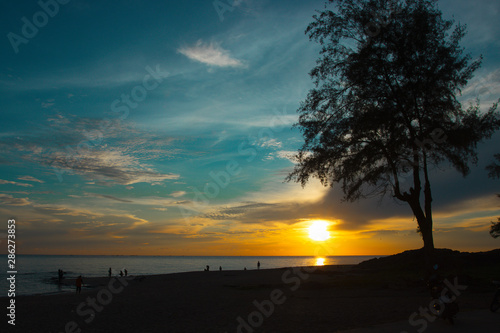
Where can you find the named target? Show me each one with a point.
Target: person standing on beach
(258, 264)
(78, 283)
(126, 272)
(60, 274)
(109, 272)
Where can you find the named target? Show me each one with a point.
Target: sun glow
(318, 231)
(320, 262)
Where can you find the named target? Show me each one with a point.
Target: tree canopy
(385, 103)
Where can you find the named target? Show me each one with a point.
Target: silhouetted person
(109, 272)
(126, 272)
(245, 269)
(121, 273)
(60, 274)
(78, 283)
(258, 264)
(208, 268)
(220, 268)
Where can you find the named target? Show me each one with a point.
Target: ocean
(37, 274)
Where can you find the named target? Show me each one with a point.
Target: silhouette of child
(78, 283)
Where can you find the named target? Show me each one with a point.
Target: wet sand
(271, 300)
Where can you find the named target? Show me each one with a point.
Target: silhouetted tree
(384, 107)
(494, 168)
(495, 229)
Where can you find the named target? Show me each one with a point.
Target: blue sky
(165, 128)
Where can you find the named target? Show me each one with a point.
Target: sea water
(38, 274)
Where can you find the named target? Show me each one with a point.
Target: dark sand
(322, 301)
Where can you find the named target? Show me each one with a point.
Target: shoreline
(289, 299)
(100, 281)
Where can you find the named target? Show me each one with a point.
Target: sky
(165, 128)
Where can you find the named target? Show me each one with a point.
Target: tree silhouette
(384, 109)
(495, 229)
(494, 168)
(494, 172)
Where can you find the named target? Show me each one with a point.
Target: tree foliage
(495, 173)
(384, 108)
(494, 168)
(495, 229)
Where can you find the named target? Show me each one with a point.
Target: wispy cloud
(109, 165)
(210, 54)
(115, 156)
(14, 183)
(484, 86)
(31, 179)
(106, 196)
(9, 200)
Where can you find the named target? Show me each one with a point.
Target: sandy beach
(314, 299)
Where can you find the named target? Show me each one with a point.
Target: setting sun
(318, 231)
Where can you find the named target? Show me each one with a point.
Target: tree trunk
(427, 235)
(425, 226)
(428, 238)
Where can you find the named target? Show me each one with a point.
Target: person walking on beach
(121, 273)
(126, 272)
(78, 283)
(258, 264)
(109, 272)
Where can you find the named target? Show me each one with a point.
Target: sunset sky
(165, 128)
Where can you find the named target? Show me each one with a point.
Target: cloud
(269, 143)
(210, 54)
(222, 136)
(47, 104)
(77, 222)
(11, 201)
(14, 183)
(177, 194)
(485, 86)
(108, 165)
(283, 154)
(105, 150)
(105, 196)
(31, 179)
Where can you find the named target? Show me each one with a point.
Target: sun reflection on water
(320, 261)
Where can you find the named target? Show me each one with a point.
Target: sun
(318, 231)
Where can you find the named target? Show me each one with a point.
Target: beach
(306, 299)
